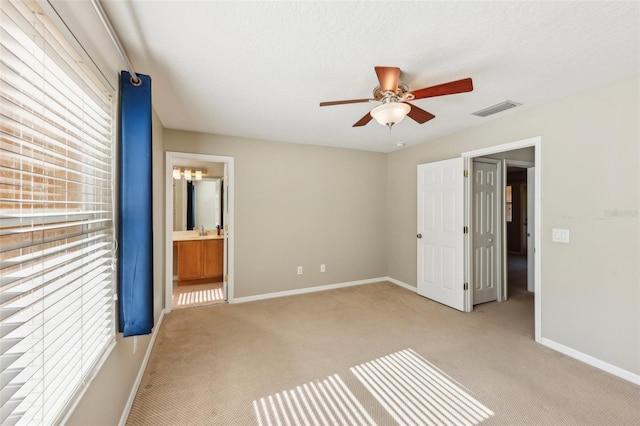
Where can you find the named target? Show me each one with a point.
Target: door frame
(535, 142)
(531, 251)
(170, 156)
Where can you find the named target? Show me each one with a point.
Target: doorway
(198, 229)
(519, 227)
(507, 154)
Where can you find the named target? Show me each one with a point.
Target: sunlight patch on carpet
(314, 403)
(200, 296)
(413, 391)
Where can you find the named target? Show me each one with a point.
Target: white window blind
(56, 219)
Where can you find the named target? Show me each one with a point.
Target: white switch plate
(299, 270)
(560, 235)
(322, 268)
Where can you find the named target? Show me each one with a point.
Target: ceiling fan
(394, 97)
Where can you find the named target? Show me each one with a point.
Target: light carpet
(235, 364)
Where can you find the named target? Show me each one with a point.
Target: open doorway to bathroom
(199, 230)
(198, 233)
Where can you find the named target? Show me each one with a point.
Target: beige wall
(104, 401)
(590, 185)
(300, 205)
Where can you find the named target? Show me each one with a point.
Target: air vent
(496, 108)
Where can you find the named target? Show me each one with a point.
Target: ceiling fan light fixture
(390, 113)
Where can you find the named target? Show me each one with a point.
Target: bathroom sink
(194, 235)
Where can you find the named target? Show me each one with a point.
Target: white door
(485, 232)
(440, 232)
(531, 252)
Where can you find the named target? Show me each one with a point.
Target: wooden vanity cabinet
(212, 256)
(199, 260)
(189, 260)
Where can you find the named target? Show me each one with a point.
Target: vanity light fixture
(189, 174)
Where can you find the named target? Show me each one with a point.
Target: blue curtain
(191, 204)
(135, 234)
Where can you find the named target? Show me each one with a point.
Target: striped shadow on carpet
(413, 391)
(321, 403)
(409, 388)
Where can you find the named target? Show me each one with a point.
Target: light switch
(560, 235)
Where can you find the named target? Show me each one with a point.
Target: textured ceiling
(259, 69)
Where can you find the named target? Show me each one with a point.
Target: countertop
(194, 235)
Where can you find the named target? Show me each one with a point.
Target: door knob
(419, 235)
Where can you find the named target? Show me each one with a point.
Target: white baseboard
(307, 290)
(587, 359)
(594, 362)
(143, 366)
(402, 284)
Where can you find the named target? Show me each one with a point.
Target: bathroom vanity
(200, 257)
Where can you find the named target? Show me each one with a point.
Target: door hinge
(465, 230)
(226, 278)
(226, 228)
(466, 286)
(466, 173)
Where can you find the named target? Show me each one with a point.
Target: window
(56, 219)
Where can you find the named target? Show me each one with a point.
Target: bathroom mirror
(197, 203)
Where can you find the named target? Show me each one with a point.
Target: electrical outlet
(299, 270)
(322, 268)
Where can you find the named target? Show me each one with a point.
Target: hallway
(517, 275)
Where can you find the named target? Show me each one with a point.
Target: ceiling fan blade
(364, 120)
(419, 115)
(348, 101)
(458, 86)
(388, 78)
